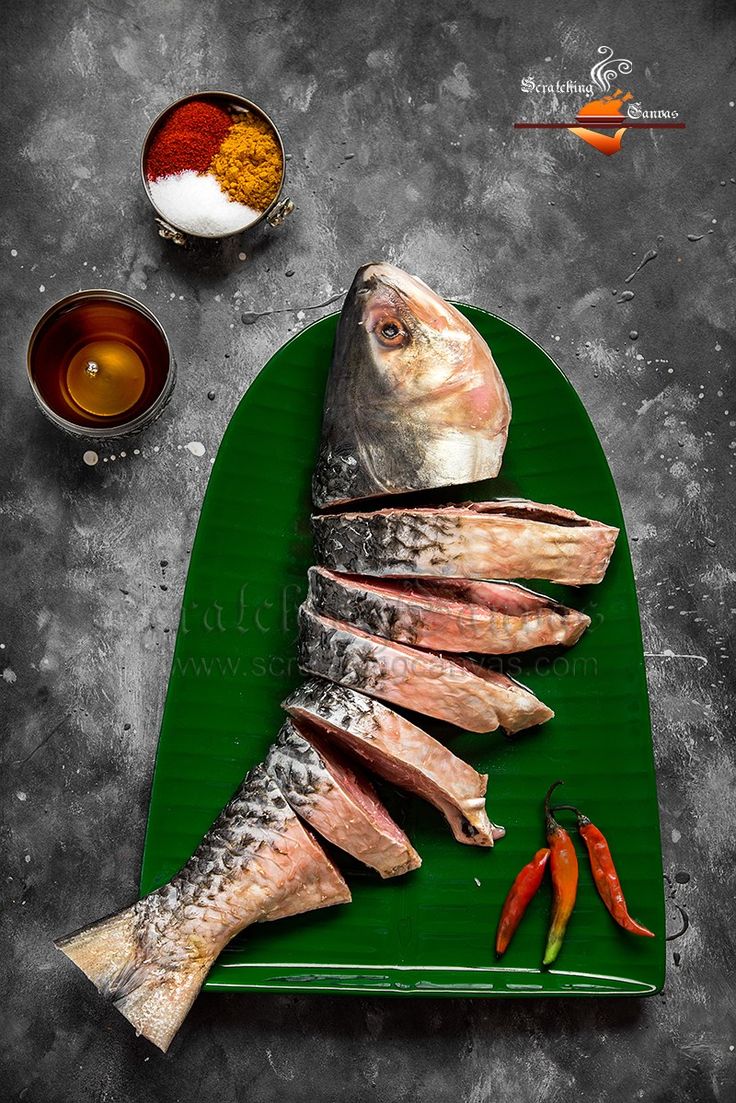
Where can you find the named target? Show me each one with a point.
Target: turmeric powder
(248, 164)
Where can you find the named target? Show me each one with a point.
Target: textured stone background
(397, 118)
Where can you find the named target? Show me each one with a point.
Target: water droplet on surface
(651, 254)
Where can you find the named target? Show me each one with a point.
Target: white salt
(198, 205)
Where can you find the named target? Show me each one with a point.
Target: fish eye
(391, 333)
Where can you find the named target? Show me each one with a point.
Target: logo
(607, 106)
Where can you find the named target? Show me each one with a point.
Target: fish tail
(160, 1002)
(154, 996)
(105, 951)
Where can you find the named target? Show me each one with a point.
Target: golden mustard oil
(99, 362)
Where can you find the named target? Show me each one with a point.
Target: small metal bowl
(274, 214)
(102, 432)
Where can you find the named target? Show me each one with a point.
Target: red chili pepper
(564, 869)
(519, 897)
(604, 873)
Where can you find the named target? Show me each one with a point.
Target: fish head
(415, 349)
(414, 399)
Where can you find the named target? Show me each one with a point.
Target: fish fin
(105, 951)
(160, 1000)
(154, 996)
(471, 825)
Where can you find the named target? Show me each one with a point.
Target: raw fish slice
(509, 538)
(494, 618)
(414, 398)
(448, 688)
(256, 862)
(400, 752)
(338, 802)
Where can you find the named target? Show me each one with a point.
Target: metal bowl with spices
(165, 193)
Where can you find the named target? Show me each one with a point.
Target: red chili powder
(189, 139)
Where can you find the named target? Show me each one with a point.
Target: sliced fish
(446, 687)
(414, 398)
(400, 752)
(338, 801)
(257, 862)
(509, 538)
(450, 614)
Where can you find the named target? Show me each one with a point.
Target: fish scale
(401, 753)
(503, 539)
(446, 687)
(338, 801)
(454, 615)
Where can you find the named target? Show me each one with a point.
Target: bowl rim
(239, 101)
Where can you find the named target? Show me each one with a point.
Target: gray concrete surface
(398, 121)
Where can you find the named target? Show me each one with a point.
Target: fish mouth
(379, 275)
(380, 291)
(380, 284)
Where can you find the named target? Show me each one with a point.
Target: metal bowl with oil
(64, 333)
